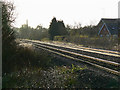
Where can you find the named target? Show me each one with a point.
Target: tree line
(56, 28)
(86, 36)
(27, 32)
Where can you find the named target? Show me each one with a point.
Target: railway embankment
(49, 70)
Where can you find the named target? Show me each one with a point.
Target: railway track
(84, 55)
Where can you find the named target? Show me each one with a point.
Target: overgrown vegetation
(27, 32)
(8, 40)
(58, 77)
(57, 28)
(86, 36)
(15, 57)
(110, 43)
(25, 67)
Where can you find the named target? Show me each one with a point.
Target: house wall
(104, 31)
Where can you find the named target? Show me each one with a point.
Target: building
(109, 27)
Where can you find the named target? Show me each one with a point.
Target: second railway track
(109, 66)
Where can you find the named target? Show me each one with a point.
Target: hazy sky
(85, 12)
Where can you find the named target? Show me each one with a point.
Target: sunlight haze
(86, 12)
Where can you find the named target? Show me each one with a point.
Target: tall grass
(96, 42)
(36, 69)
(58, 77)
(26, 57)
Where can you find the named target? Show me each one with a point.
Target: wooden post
(1, 45)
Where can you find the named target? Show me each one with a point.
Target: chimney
(119, 9)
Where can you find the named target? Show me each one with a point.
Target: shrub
(59, 38)
(26, 57)
(45, 39)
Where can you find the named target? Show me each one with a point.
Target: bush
(59, 77)
(56, 77)
(96, 42)
(45, 39)
(26, 57)
(59, 38)
(8, 39)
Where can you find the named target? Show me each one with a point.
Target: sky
(72, 12)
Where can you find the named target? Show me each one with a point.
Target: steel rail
(99, 51)
(89, 57)
(66, 53)
(76, 59)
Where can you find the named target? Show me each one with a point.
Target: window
(101, 35)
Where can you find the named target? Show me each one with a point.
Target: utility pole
(1, 45)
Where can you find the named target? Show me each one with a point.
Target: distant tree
(28, 32)
(56, 28)
(53, 29)
(39, 27)
(61, 28)
(25, 31)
